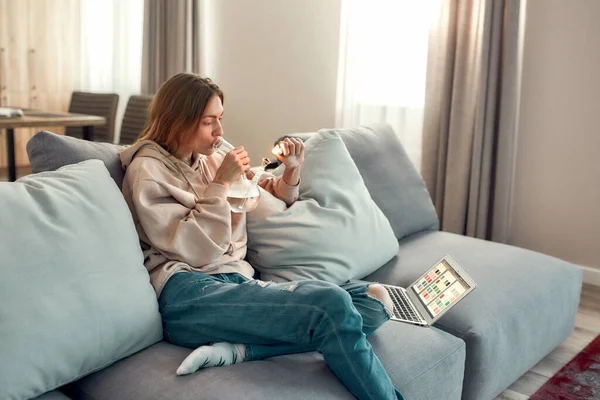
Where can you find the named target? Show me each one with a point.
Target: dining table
(39, 118)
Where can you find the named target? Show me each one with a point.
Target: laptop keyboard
(402, 306)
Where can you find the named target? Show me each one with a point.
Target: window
(382, 66)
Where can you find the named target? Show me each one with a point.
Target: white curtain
(382, 66)
(111, 49)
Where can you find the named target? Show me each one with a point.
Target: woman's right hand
(235, 163)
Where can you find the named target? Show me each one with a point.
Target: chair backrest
(99, 104)
(134, 119)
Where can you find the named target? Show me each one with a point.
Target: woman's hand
(235, 163)
(290, 152)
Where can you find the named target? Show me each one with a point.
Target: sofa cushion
(53, 395)
(48, 151)
(393, 181)
(524, 305)
(74, 293)
(333, 232)
(419, 361)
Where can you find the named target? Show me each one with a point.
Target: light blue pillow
(333, 232)
(390, 176)
(74, 293)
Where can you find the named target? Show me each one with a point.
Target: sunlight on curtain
(111, 49)
(382, 66)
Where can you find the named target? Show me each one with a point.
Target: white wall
(276, 62)
(557, 192)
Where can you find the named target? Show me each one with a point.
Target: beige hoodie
(183, 219)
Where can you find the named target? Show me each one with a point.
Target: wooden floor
(587, 327)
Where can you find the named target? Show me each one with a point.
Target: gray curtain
(171, 41)
(471, 103)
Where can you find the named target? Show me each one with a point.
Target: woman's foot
(215, 355)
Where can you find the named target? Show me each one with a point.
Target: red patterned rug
(579, 379)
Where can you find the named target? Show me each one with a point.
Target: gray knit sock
(215, 355)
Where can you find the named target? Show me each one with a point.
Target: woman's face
(209, 131)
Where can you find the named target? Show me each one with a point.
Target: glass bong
(244, 194)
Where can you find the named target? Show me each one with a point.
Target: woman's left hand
(290, 152)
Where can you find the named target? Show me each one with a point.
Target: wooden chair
(100, 104)
(134, 119)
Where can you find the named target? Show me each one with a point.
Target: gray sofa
(524, 306)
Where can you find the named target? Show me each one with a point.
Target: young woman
(194, 247)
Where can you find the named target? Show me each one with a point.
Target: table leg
(10, 149)
(88, 133)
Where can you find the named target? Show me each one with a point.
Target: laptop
(432, 295)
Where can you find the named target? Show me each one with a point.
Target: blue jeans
(281, 318)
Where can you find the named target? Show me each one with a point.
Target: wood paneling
(13, 65)
(40, 66)
(14, 40)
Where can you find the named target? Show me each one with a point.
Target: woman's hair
(177, 108)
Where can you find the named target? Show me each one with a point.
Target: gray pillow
(391, 178)
(74, 294)
(48, 151)
(333, 232)
(393, 182)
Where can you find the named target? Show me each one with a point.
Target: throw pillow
(333, 232)
(74, 293)
(48, 151)
(393, 181)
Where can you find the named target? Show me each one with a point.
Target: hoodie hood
(171, 165)
(151, 149)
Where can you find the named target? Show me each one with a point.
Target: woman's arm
(279, 188)
(290, 152)
(291, 176)
(197, 236)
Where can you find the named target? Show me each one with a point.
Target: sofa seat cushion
(524, 305)
(419, 361)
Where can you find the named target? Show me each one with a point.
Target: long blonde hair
(177, 108)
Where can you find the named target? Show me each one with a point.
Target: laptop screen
(439, 288)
